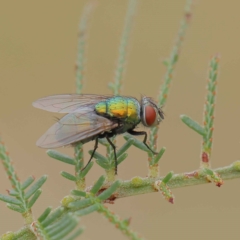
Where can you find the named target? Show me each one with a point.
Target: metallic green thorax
(125, 108)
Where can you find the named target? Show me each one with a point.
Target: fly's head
(151, 114)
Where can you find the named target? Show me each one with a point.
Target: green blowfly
(90, 117)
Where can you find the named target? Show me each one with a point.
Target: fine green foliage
(61, 223)
(61, 157)
(8, 199)
(121, 63)
(157, 158)
(116, 85)
(80, 68)
(82, 36)
(97, 186)
(34, 187)
(125, 146)
(206, 130)
(209, 109)
(49, 226)
(122, 225)
(45, 214)
(20, 201)
(27, 182)
(161, 186)
(68, 176)
(170, 64)
(78, 193)
(137, 143)
(193, 125)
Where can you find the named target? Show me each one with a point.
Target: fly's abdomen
(114, 107)
(121, 108)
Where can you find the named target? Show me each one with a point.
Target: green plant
(85, 200)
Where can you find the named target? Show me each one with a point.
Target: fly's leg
(114, 150)
(94, 150)
(134, 133)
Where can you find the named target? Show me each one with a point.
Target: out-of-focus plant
(61, 223)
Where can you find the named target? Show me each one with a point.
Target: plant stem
(170, 64)
(121, 62)
(23, 233)
(146, 185)
(82, 35)
(28, 216)
(4, 156)
(209, 112)
(121, 225)
(128, 188)
(110, 175)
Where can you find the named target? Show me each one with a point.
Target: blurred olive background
(38, 43)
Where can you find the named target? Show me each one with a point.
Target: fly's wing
(75, 127)
(68, 103)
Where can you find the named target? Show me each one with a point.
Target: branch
(153, 169)
(139, 185)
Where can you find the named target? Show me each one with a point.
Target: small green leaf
(65, 230)
(8, 199)
(52, 217)
(61, 157)
(13, 192)
(125, 147)
(103, 141)
(121, 158)
(35, 186)
(107, 193)
(98, 156)
(27, 182)
(167, 177)
(88, 210)
(34, 198)
(45, 214)
(158, 156)
(86, 170)
(104, 165)
(15, 208)
(56, 227)
(136, 143)
(81, 203)
(193, 125)
(74, 235)
(68, 176)
(97, 186)
(78, 193)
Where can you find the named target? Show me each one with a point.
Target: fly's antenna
(142, 96)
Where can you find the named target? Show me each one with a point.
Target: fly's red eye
(150, 115)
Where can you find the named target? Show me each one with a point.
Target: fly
(90, 117)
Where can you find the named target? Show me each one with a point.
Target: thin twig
(170, 64)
